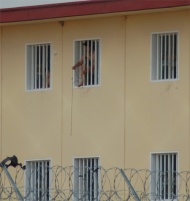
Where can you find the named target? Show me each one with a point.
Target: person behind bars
(86, 64)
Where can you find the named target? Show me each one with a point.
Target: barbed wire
(41, 183)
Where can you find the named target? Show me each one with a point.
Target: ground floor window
(86, 179)
(37, 180)
(163, 178)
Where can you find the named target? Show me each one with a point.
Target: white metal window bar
(164, 182)
(38, 66)
(86, 179)
(165, 56)
(88, 74)
(37, 180)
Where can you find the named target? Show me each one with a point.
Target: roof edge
(83, 8)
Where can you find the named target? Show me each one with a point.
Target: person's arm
(79, 63)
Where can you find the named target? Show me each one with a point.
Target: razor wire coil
(67, 183)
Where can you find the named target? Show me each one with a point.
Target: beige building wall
(93, 120)
(123, 120)
(32, 120)
(47, 124)
(157, 113)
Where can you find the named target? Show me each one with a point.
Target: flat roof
(83, 8)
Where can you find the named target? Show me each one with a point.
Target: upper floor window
(87, 63)
(164, 176)
(164, 56)
(37, 180)
(86, 179)
(38, 66)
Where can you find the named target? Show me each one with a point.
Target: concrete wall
(157, 113)
(38, 123)
(97, 112)
(123, 120)
(31, 120)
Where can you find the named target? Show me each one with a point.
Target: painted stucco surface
(123, 120)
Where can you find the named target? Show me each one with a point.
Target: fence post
(13, 183)
(129, 184)
(3, 167)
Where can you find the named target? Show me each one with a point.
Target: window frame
(26, 178)
(76, 176)
(28, 75)
(76, 57)
(154, 191)
(153, 68)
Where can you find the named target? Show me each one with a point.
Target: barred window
(87, 63)
(37, 180)
(164, 56)
(38, 66)
(164, 172)
(86, 179)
